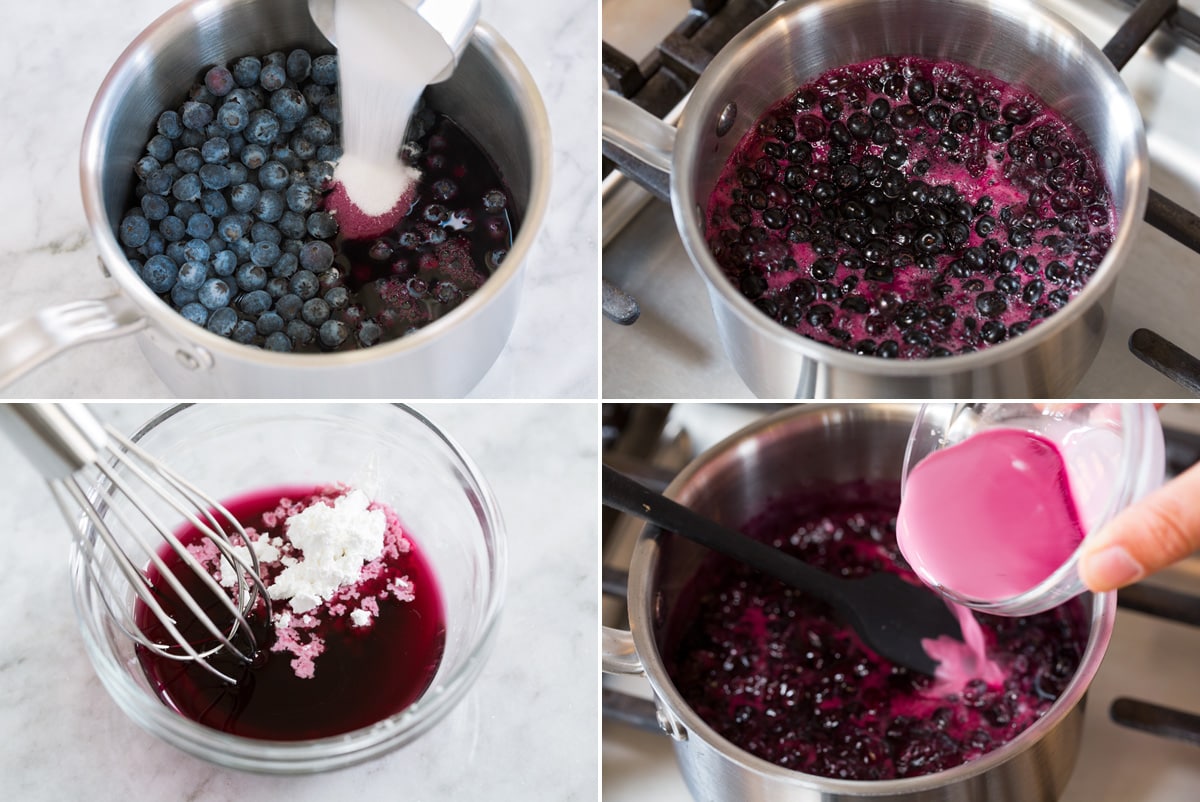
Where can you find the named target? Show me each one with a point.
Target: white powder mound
(336, 542)
(266, 552)
(375, 187)
(360, 618)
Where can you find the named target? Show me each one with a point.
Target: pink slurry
(990, 517)
(356, 224)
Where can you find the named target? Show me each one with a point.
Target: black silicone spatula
(890, 615)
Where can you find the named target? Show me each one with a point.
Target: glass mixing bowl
(1113, 454)
(393, 454)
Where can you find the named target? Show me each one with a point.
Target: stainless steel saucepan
(490, 94)
(796, 42)
(730, 483)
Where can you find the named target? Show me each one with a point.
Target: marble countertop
(53, 63)
(526, 730)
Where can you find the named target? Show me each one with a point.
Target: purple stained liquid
(776, 675)
(957, 218)
(364, 675)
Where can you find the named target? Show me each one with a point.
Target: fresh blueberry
(250, 278)
(292, 224)
(168, 124)
(331, 109)
(261, 130)
(304, 283)
(304, 148)
(315, 312)
(160, 273)
(171, 228)
(264, 254)
(368, 333)
(155, 207)
(333, 333)
(196, 250)
(273, 175)
(154, 246)
(317, 130)
(195, 312)
(329, 153)
(277, 341)
(289, 305)
(269, 323)
(222, 321)
(300, 198)
(325, 70)
(246, 70)
(269, 207)
(145, 166)
(159, 182)
(135, 229)
(200, 226)
(196, 116)
(244, 197)
(215, 293)
(188, 160)
(300, 332)
(231, 228)
(339, 297)
(277, 287)
(193, 138)
(272, 77)
(286, 266)
(321, 225)
(219, 81)
(224, 263)
(182, 296)
(192, 275)
(253, 156)
(244, 332)
(255, 302)
(320, 176)
(187, 188)
(233, 117)
(289, 105)
(176, 252)
(215, 150)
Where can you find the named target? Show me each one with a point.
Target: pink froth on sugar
(354, 223)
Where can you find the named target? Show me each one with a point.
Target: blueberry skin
(243, 197)
(219, 81)
(315, 312)
(300, 198)
(272, 77)
(279, 342)
(273, 175)
(168, 124)
(299, 65)
(262, 128)
(300, 332)
(286, 266)
(288, 306)
(189, 160)
(316, 256)
(159, 182)
(255, 303)
(195, 312)
(200, 226)
(222, 321)
(264, 254)
(171, 228)
(135, 230)
(233, 117)
(292, 224)
(253, 156)
(215, 293)
(325, 70)
(244, 332)
(155, 207)
(187, 188)
(197, 250)
(265, 232)
(192, 275)
(251, 277)
(160, 273)
(333, 333)
(182, 296)
(289, 105)
(269, 323)
(304, 283)
(321, 225)
(196, 116)
(246, 71)
(224, 263)
(269, 207)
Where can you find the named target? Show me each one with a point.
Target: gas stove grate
(675, 66)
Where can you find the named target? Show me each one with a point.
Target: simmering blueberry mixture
(906, 208)
(772, 672)
(228, 221)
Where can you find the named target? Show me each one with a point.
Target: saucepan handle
(27, 343)
(618, 655)
(641, 145)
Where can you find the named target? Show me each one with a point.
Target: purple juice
(907, 208)
(775, 674)
(312, 678)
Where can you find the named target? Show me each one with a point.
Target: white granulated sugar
(336, 542)
(360, 618)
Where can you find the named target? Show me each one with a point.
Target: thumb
(1157, 531)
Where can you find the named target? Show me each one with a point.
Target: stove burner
(677, 63)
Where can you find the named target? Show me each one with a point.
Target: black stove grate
(670, 72)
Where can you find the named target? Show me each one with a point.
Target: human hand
(1161, 529)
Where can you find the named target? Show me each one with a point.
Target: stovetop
(673, 350)
(1150, 659)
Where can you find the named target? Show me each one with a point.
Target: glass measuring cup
(1113, 455)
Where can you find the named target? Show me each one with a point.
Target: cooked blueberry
(823, 269)
(819, 315)
(993, 332)
(880, 108)
(1057, 272)
(1048, 157)
(1058, 298)
(920, 91)
(1007, 284)
(895, 155)
(905, 116)
(883, 134)
(774, 218)
(879, 273)
(888, 349)
(991, 304)
(811, 128)
(948, 142)
(859, 125)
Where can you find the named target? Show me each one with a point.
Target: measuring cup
(1113, 455)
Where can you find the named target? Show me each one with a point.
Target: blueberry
(159, 182)
(368, 333)
(315, 312)
(277, 287)
(288, 306)
(277, 341)
(193, 138)
(304, 283)
(299, 64)
(188, 160)
(261, 130)
(213, 204)
(317, 130)
(182, 296)
(195, 312)
(888, 349)
(316, 256)
(253, 156)
(325, 70)
(292, 224)
(1016, 113)
(145, 166)
(184, 209)
(272, 77)
(168, 124)
(329, 153)
(219, 81)
(273, 175)
(214, 176)
(920, 91)
(331, 109)
(160, 273)
(215, 293)
(221, 321)
(245, 70)
(187, 188)
(289, 105)
(321, 225)
(269, 323)
(905, 116)
(135, 229)
(303, 148)
(444, 189)
(244, 332)
(264, 254)
(299, 332)
(224, 263)
(244, 197)
(171, 228)
(990, 304)
(314, 94)
(196, 116)
(269, 207)
(254, 302)
(231, 228)
(233, 117)
(1000, 133)
(154, 246)
(251, 277)
(333, 333)
(339, 297)
(196, 250)
(192, 275)
(993, 332)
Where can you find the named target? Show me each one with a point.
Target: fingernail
(1110, 568)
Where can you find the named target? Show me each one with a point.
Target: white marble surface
(53, 63)
(527, 730)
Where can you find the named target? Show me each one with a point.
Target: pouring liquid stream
(387, 55)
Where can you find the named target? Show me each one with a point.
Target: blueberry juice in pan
(910, 208)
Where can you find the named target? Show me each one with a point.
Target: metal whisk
(75, 451)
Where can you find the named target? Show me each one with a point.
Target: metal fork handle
(58, 439)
